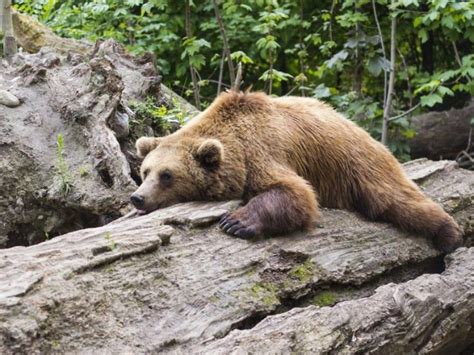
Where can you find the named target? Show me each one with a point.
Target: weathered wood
(431, 314)
(84, 96)
(81, 99)
(171, 281)
(9, 42)
(33, 35)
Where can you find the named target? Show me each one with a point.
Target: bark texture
(170, 281)
(85, 99)
(32, 35)
(83, 92)
(442, 135)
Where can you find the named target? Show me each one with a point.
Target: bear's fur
(284, 156)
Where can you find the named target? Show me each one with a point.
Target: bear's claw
(245, 232)
(236, 227)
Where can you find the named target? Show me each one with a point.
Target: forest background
(377, 61)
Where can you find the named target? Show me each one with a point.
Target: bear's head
(176, 171)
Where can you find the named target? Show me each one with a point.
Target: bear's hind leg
(286, 205)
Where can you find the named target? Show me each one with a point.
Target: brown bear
(283, 157)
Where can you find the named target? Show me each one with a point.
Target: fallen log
(171, 281)
(431, 314)
(442, 135)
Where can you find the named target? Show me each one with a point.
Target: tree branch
(238, 78)
(221, 72)
(456, 53)
(411, 109)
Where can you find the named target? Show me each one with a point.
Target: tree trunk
(391, 81)
(84, 97)
(192, 70)
(427, 54)
(170, 281)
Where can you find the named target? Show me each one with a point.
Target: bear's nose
(137, 200)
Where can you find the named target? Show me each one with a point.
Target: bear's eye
(166, 177)
(145, 173)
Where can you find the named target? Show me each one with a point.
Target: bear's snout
(137, 200)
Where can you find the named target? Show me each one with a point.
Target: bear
(284, 157)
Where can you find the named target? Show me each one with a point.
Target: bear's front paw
(239, 224)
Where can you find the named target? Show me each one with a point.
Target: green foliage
(160, 117)
(62, 170)
(324, 299)
(192, 51)
(327, 49)
(110, 241)
(83, 171)
(302, 272)
(265, 292)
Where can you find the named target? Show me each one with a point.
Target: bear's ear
(210, 153)
(145, 145)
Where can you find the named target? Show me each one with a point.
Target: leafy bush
(335, 50)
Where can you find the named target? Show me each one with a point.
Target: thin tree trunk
(226, 43)
(331, 12)
(458, 57)
(379, 30)
(9, 42)
(187, 20)
(405, 67)
(221, 72)
(357, 74)
(391, 81)
(282, 66)
(270, 82)
(302, 43)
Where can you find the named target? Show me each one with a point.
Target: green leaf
(433, 15)
(428, 86)
(336, 58)
(409, 133)
(443, 90)
(146, 8)
(448, 22)
(431, 100)
(132, 3)
(423, 34)
(240, 56)
(377, 64)
(440, 4)
(275, 75)
(407, 3)
(448, 74)
(321, 91)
